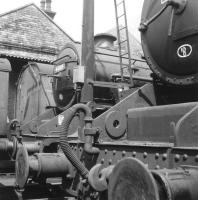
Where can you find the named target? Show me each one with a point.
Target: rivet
(110, 162)
(157, 167)
(106, 151)
(185, 157)
(157, 156)
(102, 161)
(145, 155)
(196, 158)
(164, 156)
(134, 154)
(177, 158)
(114, 152)
(69, 176)
(124, 153)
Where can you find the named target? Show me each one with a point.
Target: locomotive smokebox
(170, 39)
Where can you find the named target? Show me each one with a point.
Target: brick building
(29, 34)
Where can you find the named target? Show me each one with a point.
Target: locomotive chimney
(104, 40)
(46, 6)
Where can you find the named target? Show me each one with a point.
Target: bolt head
(157, 156)
(177, 158)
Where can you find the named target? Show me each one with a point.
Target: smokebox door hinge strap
(177, 5)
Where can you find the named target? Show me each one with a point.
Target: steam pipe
(6, 146)
(11, 147)
(70, 113)
(89, 133)
(48, 165)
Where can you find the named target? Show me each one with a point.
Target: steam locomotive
(140, 146)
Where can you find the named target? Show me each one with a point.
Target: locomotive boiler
(142, 146)
(67, 81)
(106, 66)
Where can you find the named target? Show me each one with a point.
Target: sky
(69, 14)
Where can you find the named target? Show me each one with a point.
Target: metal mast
(87, 55)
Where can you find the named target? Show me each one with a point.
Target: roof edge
(16, 9)
(43, 49)
(33, 4)
(49, 18)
